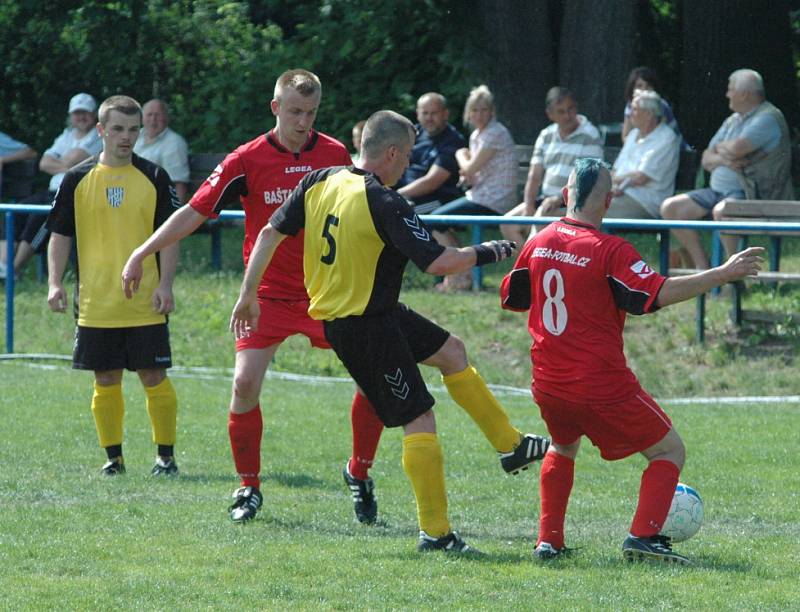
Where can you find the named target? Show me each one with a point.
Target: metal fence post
(9, 282)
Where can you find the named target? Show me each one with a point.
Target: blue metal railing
(476, 222)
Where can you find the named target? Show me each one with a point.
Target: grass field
(70, 539)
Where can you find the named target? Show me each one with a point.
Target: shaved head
(588, 185)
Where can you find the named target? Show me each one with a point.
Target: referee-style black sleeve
(402, 228)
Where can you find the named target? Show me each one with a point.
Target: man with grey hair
(431, 178)
(359, 235)
(163, 146)
(644, 172)
(749, 158)
(578, 284)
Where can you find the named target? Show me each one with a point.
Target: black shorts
(115, 348)
(381, 353)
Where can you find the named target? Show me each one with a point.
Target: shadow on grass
(200, 478)
(295, 481)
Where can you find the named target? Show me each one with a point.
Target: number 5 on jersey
(326, 233)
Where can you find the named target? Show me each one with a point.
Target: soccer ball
(685, 514)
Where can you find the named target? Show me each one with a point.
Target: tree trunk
(513, 53)
(595, 55)
(720, 36)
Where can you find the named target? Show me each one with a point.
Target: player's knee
(678, 452)
(151, 378)
(106, 378)
(453, 354)
(245, 385)
(671, 448)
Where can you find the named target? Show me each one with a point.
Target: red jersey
(261, 174)
(579, 283)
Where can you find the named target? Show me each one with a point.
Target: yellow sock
(162, 406)
(424, 466)
(108, 409)
(470, 392)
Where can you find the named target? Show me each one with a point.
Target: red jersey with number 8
(261, 174)
(579, 283)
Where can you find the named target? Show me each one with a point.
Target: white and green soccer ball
(685, 514)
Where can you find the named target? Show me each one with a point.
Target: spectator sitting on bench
(569, 137)
(77, 142)
(488, 166)
(10, 151)
(432, 175)
(749, 157)
(644, 172)
(644, 78)
(161, 145)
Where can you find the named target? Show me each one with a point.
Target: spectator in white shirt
(161, 145)
(644, 172)
(79, 141)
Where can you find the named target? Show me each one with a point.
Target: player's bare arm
(163, 299)
(246, 310)
(57, 256)
(453, 260)
(178, 226)
(740, 265)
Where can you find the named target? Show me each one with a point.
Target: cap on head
(82, 102)
(586, 171)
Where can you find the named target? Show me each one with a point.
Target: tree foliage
(215, 61)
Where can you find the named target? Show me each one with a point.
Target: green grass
(70, 539)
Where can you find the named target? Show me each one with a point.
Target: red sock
(655, 496)
(244, 431)
(555, 485)
(367, 428)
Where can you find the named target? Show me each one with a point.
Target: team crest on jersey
(642, 269)
(417, 228)
(115, 195)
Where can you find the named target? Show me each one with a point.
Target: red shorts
(280, 319)
(618, 430)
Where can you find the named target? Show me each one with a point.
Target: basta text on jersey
(279, 196)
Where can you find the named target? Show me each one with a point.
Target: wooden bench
(778, 211)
